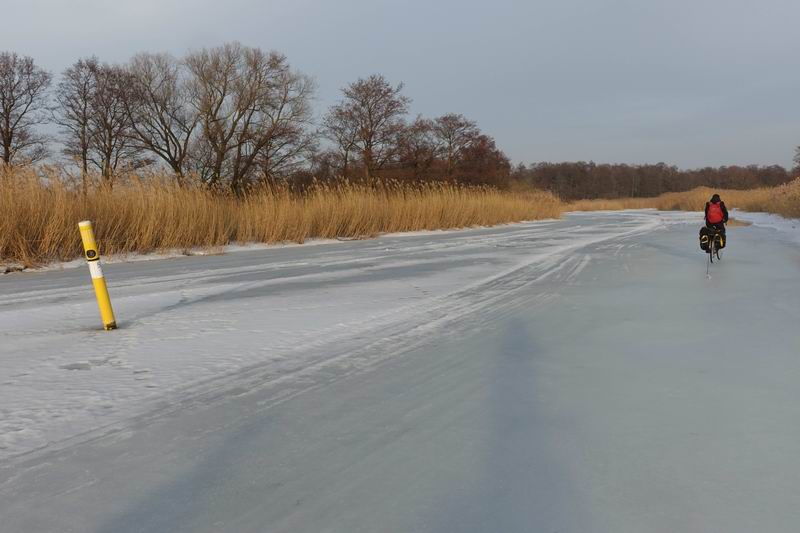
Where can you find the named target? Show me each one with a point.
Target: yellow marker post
(99, 282)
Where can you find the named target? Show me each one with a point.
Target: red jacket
(718, 209)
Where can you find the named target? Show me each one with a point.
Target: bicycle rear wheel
(712, 249)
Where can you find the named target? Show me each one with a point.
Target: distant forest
(573, 181)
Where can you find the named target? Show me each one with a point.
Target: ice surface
(188, 320)
(787, 228)
(579, 375)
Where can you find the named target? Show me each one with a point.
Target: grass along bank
(40, 217)
(782, 200)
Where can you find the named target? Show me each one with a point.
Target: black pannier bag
(705, 238)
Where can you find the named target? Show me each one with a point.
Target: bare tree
(111, 133)
(161, 120)
(418, 148)
(341, 128)
(245, 99)
(376, 109)
(23, 102)
(286, 115)
(285, 153)
(326, 165)
(482, 162)
(455, 134)
(74, 96)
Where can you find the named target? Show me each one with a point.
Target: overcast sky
(687, 82)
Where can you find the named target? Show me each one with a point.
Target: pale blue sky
(689, 82)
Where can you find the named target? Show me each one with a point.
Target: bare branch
(23, 106)
(370, 119)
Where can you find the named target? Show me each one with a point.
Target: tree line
(573, 181)
(232, 117)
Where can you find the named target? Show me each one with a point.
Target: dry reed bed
(783, 200)
(39, 217)
(39, 222)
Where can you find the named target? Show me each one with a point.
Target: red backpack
(714, 215)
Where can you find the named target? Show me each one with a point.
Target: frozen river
(575, 375)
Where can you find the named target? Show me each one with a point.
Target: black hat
(715, 198)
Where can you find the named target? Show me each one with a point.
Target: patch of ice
(81, 365)
(790, 227)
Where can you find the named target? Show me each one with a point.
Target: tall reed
(40, 214)
(782, 200)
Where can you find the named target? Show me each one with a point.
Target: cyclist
(717, 216)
